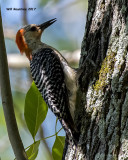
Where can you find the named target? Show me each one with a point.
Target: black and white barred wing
(48, 75)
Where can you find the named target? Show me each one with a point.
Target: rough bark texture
(102, 113)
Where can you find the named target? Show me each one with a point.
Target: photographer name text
(20, 9)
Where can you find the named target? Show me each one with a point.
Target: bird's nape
(22, 45)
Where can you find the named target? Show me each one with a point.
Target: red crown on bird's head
(22, 45)
(36, 30)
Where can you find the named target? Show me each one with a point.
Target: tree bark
(101, 114)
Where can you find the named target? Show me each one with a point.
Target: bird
(53, 76)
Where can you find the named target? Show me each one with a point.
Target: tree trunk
(102, 112)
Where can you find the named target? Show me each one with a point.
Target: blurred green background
(65, 34)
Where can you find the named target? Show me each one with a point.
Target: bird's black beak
(47, 24)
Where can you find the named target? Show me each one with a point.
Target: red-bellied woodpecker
(53, 76)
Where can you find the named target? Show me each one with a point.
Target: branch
(15, 60)
(7, 101)
(48, 153)
(25, 22)
(9, 34)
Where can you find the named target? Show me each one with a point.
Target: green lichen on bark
(105, 71)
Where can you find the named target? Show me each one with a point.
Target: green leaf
(58, 147)
(33, 150)
(35, 110)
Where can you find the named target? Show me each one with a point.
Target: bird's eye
(33, 28)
